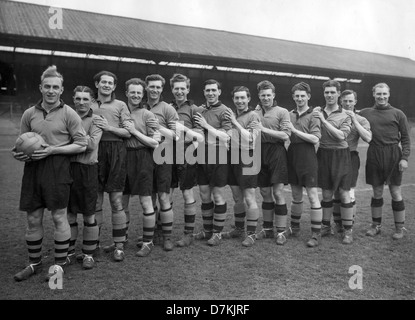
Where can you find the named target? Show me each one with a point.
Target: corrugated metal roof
(29, 20)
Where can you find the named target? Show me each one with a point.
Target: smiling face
(381, 96)
(331, 95)
(51, 89)
(212, 93)
(82, 101)
(180, 91)
(135, 94)
(105, 86)
(266, 97)
(301, 98)
(241, 100)
(154, 90)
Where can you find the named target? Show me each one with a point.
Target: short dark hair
(302, 86)
(212, 81)
(135, 81)
(332, 83)
(84, 89)
(97, 77)
(178, 77)
(155, 77)
(240, 89)
(265, 85)
(347, 92)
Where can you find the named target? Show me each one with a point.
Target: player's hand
(41, 154)
(200, 120)
(20, 155)
(317, 113)
(153, 123)
(129, 126)
(403, 165)
(256, 125)
(101, 123)
(157, 136)
(229, 115)
(173, 125)
(291, 127)
(351, 114)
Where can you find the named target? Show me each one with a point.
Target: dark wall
(29, 67)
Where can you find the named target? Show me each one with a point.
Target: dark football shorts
(302, 165)
(213, 172)
(237, 176)
(334, 167)
(382, 165)
(183, 174)
(84, 188)
(273, 165)
(140, 166)
(162, 176)
(112, 169)
(355, 160)
(46, 184)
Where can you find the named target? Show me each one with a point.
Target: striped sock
(149, 224)
(239, 215)
(268, 210)
(34, 240)
(219, 217)
(207, 216)
(398, 208)
(316, 217)
(62, 238)
(118, 226)
(337, 217)
(376, 206)
(281, 217)
(327, 212)
(189, 217)
(74, 236)
(346, 211)
(167, 217)
(252, 216)
(296, 212)
(99, 217)
(90, 238)
(127, 221)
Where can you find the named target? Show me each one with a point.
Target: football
(28, 142)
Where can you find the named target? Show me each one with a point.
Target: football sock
(189, 217)
(149, 223)
(34, 240)
(74, 236)
(398, 208)
(327, 212)
(166, 218)
(268, 210)
(281, 217)
(346, 211)
(118, 227)
(219, 217)
(337, 217)
(62, 238)
(239, 215)
(207, 216)
(252, 216)
(376, 206)
(316, 216)
(90, 238)
(296, 212)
